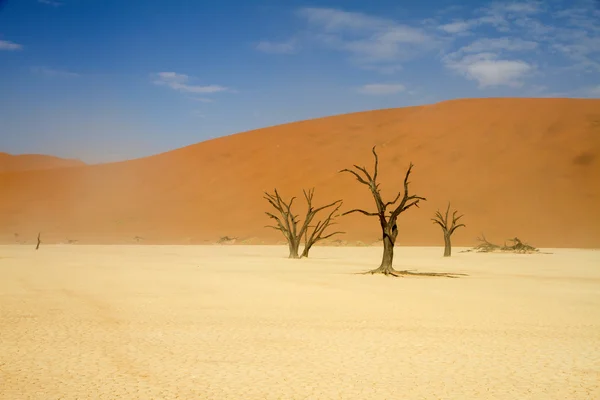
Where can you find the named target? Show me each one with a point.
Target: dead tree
(316, 234)
(448, 229)
(39, 241)
(288, 223)
(389, 227)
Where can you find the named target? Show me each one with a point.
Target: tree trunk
(387, 260)
(294, 246)
(447, 245)
(306, 250)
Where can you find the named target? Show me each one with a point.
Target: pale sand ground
(242, 322)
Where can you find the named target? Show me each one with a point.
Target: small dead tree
(288, 223)
(39, 241)
(316, 234)
(389, 227)
(448, 229)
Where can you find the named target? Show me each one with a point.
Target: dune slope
(515, 167)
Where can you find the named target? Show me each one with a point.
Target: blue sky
(107, 80)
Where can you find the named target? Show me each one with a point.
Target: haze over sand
(243, 322)
(25, 162)
(515, 167)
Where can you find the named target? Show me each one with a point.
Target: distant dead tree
(448, 229)
(389, 227)
(288, 223)
(39, 241)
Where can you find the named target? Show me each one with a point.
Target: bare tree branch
(288, 222)
(389, 203)
(376, 168)
(368, 214)
(358, 177)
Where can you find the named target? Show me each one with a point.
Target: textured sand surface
(243, 322)
(515, 167)
(25, 162)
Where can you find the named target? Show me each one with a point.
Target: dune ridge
(26, 162)
(515, 167)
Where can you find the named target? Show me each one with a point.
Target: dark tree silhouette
(288, 223)
(448, 229)
(39, 241)
(389, 227)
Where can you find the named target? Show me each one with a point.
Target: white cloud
(266, 46)
(546, 29)
(511, 40)
(334, 20)
(9, 46)
(488, 70)
(369, 40)
(499, 14)
(456, 27)
(382, 88)
(179, 82)
(498, 44)
(52, 3)
(53, 72)
(481, 61)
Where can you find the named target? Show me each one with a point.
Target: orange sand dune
(515, 167)
(24, 162)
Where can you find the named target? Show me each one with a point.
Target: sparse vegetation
(227, 240)
(447, 229)
(518, 247)
(288, 223)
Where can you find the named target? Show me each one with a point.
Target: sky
(109, 80)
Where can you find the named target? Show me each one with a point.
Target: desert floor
(244, 322)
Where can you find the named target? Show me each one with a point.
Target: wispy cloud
(52, 3)
(382, 88)
(45, 71)
(367, 39)
(456, 27)
(500, 43)
(180, 83)
(287, 47)
(532, 30)
(9, 46)
(593, 91)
